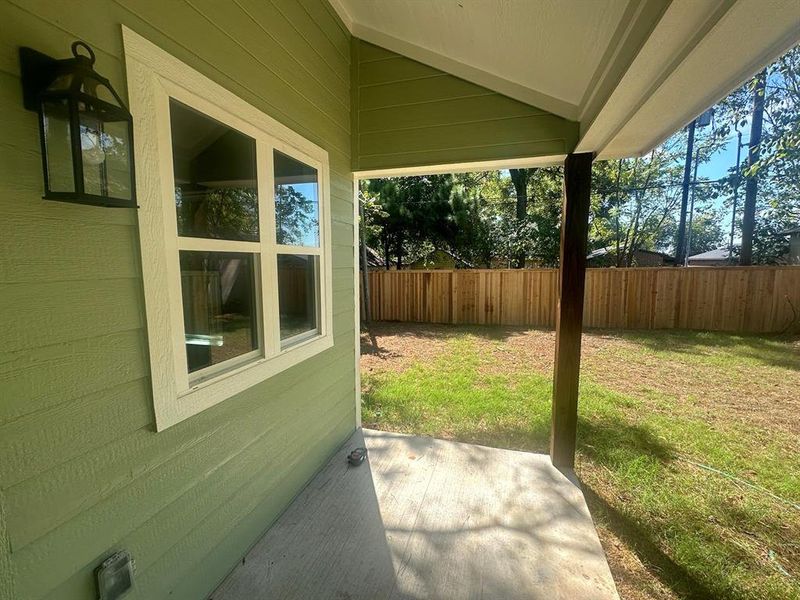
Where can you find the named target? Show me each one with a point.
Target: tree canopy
(512, 218)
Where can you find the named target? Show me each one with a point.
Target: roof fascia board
(634, 30)
(754, 66)
(635, 88)
(732, 16)
(467, 167)
(343, 13)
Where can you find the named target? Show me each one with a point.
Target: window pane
(296, 202)
(219, 306)
(216, 193)
(297, 293)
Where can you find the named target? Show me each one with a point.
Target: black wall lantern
(86, 132)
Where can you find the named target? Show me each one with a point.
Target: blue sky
(722, 161)
(719, 165)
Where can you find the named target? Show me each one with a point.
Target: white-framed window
(234, 224)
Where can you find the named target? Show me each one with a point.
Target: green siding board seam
(50, 500)
(227, 483)
(469, 109)
(6, 566)
(261, 46)
(98, 244)
(293, 42)
(112, 307)
(475, 154)
(287, 482)
(466, 134)
(398, 68)
(372, 53)
(174, 480)
(329, 23)
(71, 371)
(301, 22)
(211, 568)
(225, 55)
(407, 114)
(35, 443)
(222, 487)
(355, 105)
(88, 474)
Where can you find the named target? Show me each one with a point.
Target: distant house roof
(373, 258)
(716, 254)
(449, 253)
(598, 253)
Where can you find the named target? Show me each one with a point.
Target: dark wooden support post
(569, 314)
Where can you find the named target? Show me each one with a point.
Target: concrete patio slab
(433, 519)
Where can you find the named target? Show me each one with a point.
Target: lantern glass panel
(105, 153)
(118, 147)
(97, 89)
(58, 145)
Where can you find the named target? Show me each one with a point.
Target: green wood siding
(407, 114)
(6, 574)
(82, 471)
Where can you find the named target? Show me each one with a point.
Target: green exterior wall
(407, 114)
(82, 470)
(6, 571)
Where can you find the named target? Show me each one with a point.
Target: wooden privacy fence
(754, 299)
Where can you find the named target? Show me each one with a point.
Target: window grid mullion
(307, 250)
(198, 244)
(269, 265)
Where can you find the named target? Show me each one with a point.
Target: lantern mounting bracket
(38, 71)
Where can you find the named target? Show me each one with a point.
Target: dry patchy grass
(688, 441)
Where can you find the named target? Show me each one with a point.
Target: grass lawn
(688, 449)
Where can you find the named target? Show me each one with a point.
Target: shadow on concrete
(427, 518)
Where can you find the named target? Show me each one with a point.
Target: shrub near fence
(747, 299)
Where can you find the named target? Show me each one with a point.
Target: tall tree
(415, 212)
(519, 178)
(777, 204)
(634, 202)
(751, 186)
(680, 243)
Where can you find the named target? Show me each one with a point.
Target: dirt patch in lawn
(634, 581)
(702, 383)
(698, 381)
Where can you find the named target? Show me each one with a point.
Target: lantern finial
(79, 44)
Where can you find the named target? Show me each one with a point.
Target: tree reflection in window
(296, 202)
(214, 166)
(222, 213)
(296, 216)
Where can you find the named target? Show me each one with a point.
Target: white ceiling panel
(631, 71)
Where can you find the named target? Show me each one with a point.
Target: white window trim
(153, 77)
